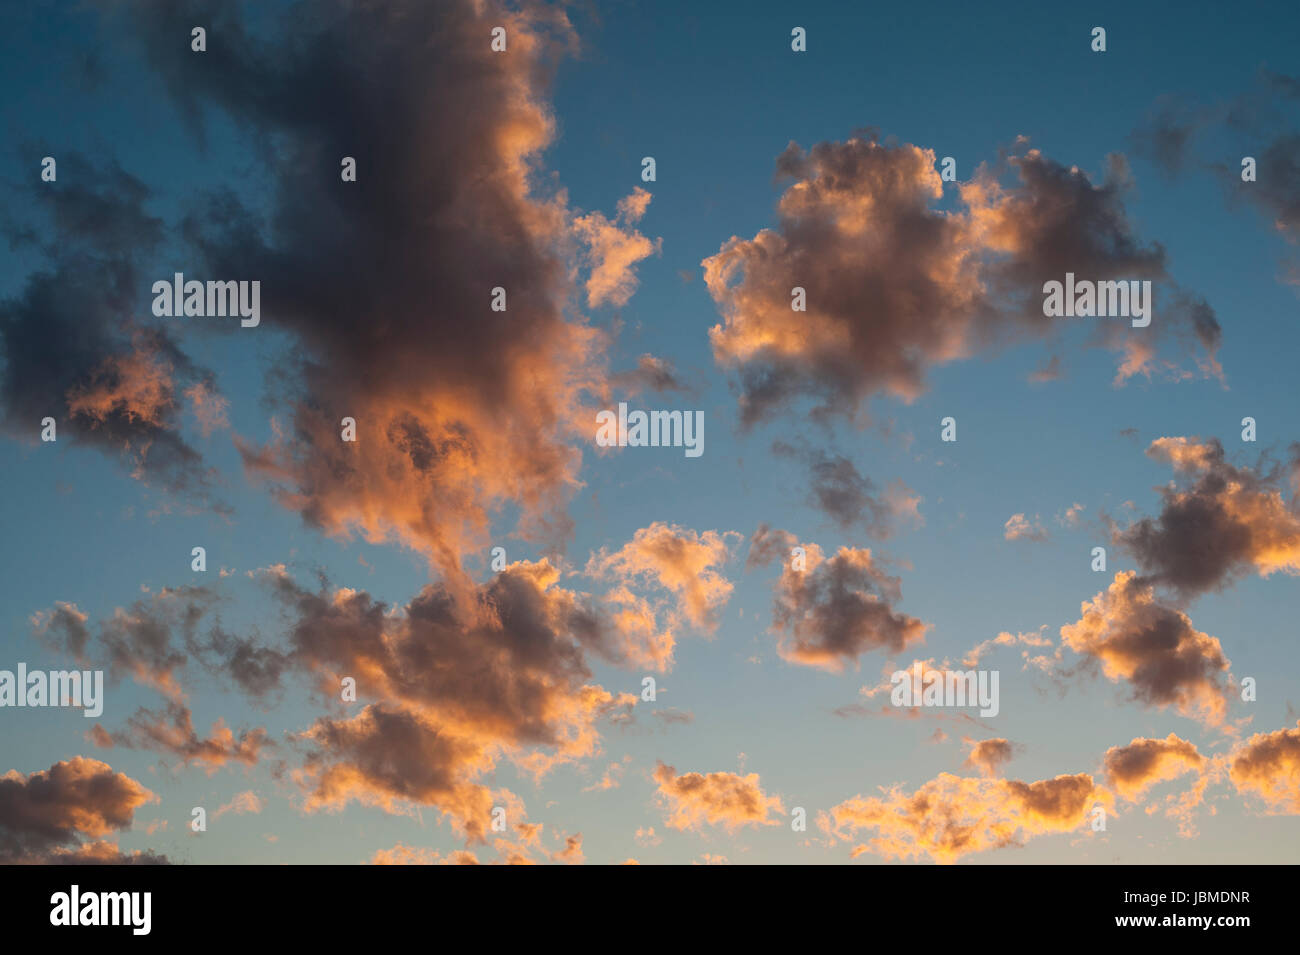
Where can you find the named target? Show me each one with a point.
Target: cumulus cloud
(832, 610)
(1153, 648)
(171, 732)
(729, 800)
(1222, 522)
(896, 286)
(951, 816)
(386, 285)
(459, 679)
(1267, 767)
(78, 343)
(43, 815)
(1131, 770)
(679, 560)
(614, 248)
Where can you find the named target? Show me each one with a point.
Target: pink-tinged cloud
(729, 800)
(951, 816)
(1153, 649)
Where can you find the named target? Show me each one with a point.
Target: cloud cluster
(896, 285)
(458, 679)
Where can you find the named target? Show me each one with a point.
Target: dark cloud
(386, 283)
(77, 341)
(43, 816)
(1223, 521)
(838, 489)
(896, 286)
(1154, 649)
(831, 610)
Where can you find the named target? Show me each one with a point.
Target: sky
(478, 633)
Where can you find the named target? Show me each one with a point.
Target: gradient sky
(218, 148)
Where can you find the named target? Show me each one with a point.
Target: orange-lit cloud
(1267, 767)
(895, 285)
(1226, 522)
(951, 816)
(43, 814)
(1153, 648)
(832, 610)
(729, 800)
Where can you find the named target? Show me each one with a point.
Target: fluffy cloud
(43, 815)
(76, 339)
(675, 559)
(1018, 527)
(833, 610)
(1153, 648)
(987, 756)
(1143, 763)
(729, 800)
(1267, 766)
(1223, 522)
(460, 678)
(896, 286)
(386, 284)
(951, 816)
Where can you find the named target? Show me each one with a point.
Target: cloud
(245, 802)
(614, 249)
(679, 560)
(78, 348)
(43, 815)
(1018, 527)
(1225, 521)
(951, 816)
(1154, 648)
(411, 855)
(837, 488)
(729, 800)
(1267, 766)
(896, 286)
(460, 677)
(1263, 122)
(1143, 763)
(171, 732)
(834, 609)
(652, 373)
(988, 755)
(385, 285)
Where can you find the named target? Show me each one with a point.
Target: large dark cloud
(386, 282)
